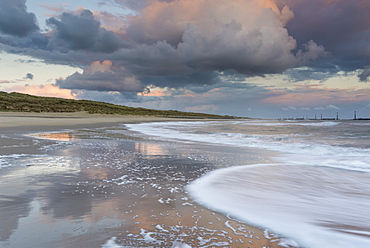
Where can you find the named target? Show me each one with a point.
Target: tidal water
(239, 183)
(112, 187)
(314, 189)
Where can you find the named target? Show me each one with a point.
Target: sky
(251, 58)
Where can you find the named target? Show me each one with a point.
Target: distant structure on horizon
(359, 119)
(325, 118)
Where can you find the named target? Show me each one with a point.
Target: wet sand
(82, 185)
(55, 121)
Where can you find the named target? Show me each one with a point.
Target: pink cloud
(169, 20)
(314, 95)
(158, 92)
(48, 90)
(56, 8)
(247, 36)
(111, 22)
(98, 66)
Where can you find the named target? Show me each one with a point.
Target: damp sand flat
(77, 184)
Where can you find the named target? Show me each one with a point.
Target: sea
(314, 188)
(182, 184)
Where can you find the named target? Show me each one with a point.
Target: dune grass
(18, 102)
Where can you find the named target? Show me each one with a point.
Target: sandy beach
(80, 180)
(69, 120)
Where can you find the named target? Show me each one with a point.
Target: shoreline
(85, 189)
(27, 120)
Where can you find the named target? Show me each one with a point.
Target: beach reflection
(149, 149)
(63, 136)
(95, 190)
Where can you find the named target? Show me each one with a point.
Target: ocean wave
(294, 149)
(316, 206)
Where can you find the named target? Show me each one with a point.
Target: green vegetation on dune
(17, 102)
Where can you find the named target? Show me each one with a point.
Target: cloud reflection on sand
(86, 192)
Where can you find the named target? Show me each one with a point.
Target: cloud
(6, 82)
(28, 76)
(341, 26)
(14, 18)
(102, 76)
(329, 107)
(307, 73)
(221, 99)
(289, 108)
(316, 95)
(183, 43)
(177, 43)
(42, 90)
(311, 51)
(82, 32)
(365, 74)
(111, 22)
(246, 36)
(133, 5)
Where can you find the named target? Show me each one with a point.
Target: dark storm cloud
(29, 76)
(83, 32)
(186, 43)
(101, 77)
(101, 81)
(178, 38)
(223, 99)
(197, 41)
(341, 26)
(203, 79)
(14, 18)
(122, 98)
(174, 43)
(364, 75)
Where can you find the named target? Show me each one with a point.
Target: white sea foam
(304, 195)
(294, 151)
(318, 208)
(290, 123)
(111, 243)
